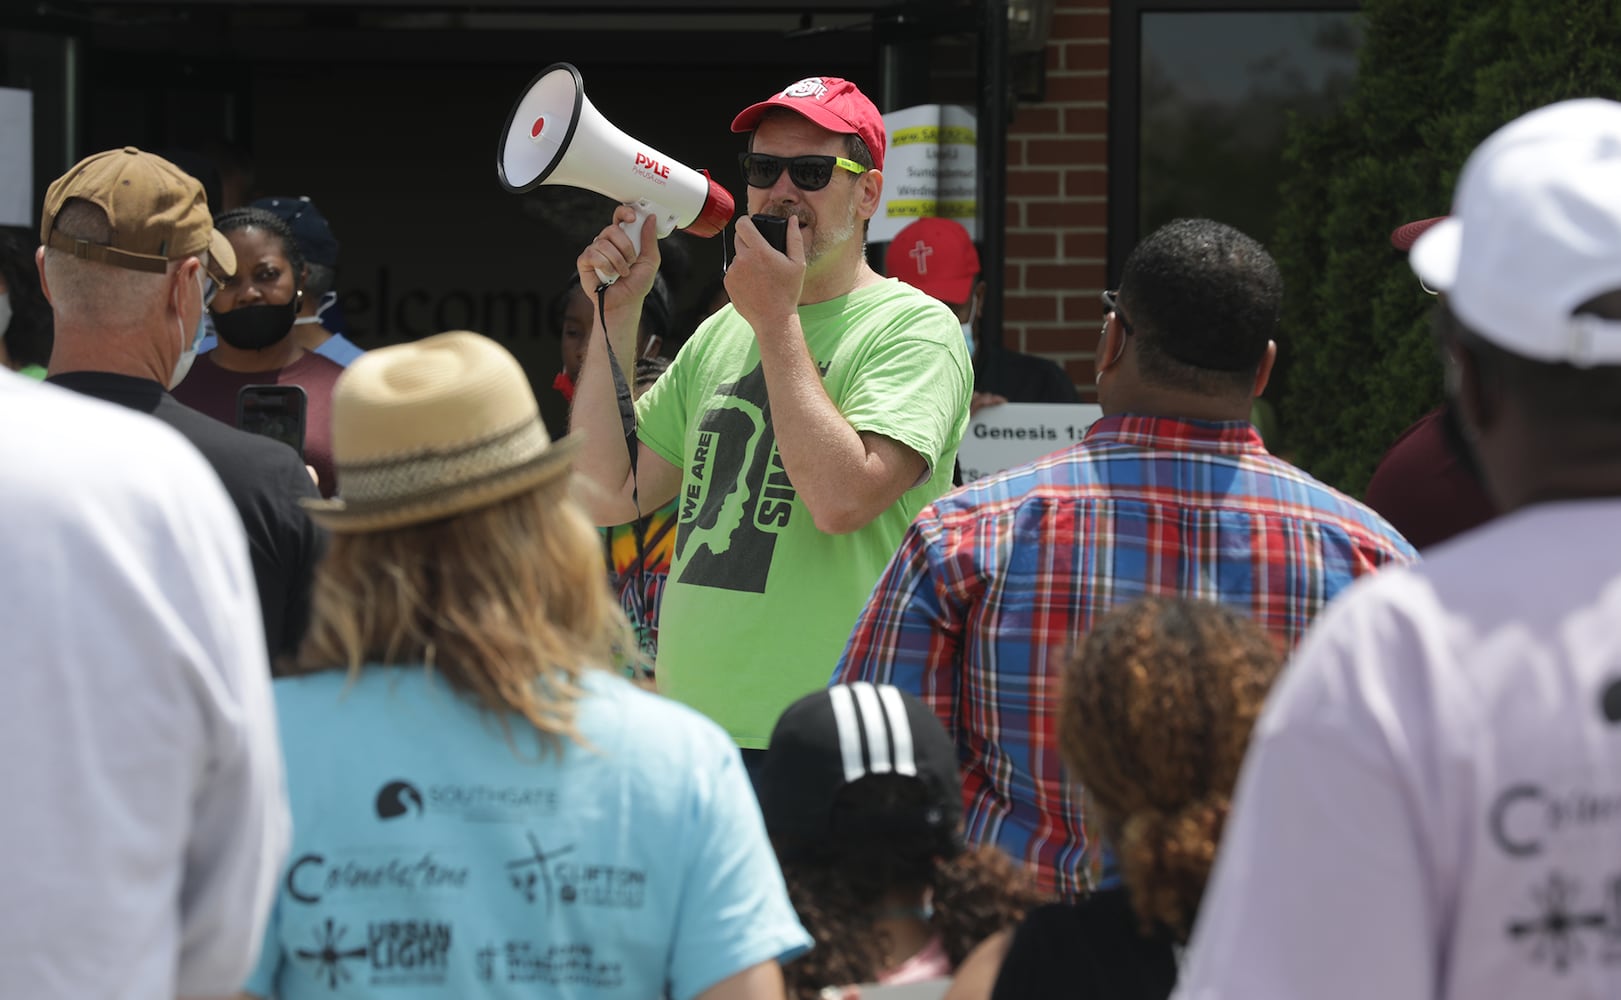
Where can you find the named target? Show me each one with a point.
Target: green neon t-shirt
(759, 602)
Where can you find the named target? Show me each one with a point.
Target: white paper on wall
(1000, 437)
(930, 169)
(16, 157)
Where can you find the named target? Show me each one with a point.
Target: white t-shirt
(1431, 807)
(142, 814)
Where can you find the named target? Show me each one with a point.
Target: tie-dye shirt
(620, 547)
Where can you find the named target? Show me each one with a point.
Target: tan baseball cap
(158, 213)
(433, 428)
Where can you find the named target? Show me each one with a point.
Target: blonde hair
(509, 603)
(1154, 719)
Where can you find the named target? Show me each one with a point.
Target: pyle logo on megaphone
(652, 169)
(553, 135)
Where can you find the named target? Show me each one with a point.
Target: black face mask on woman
(254, 328)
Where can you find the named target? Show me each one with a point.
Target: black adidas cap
(828, 740)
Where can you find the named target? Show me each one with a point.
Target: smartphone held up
(276, 411)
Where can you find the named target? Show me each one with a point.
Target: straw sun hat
(434, 428)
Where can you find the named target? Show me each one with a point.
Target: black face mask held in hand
(254, 328)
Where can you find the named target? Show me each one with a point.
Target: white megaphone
(555, 136)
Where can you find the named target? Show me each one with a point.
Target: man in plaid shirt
(1172, 492)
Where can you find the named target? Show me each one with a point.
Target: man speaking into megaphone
(801, 428)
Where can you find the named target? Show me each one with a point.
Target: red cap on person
(936, 257)
(836, 105)
(1404, 236)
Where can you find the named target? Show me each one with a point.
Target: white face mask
(5, 312)
(326, 303)
(188, 348)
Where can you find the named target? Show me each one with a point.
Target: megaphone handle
(633, 229)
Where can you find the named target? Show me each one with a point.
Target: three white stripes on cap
(861, 706)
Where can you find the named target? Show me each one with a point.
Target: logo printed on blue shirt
(397, 798)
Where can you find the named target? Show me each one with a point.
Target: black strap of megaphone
(627, 422)
(627, 408)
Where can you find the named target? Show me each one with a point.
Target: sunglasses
(1111, 304)
(809, 173)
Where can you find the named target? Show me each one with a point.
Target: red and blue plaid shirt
(996, 583)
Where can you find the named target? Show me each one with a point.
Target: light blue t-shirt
(339, 349)
(429, 860)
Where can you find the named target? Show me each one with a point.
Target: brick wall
(1057, 193)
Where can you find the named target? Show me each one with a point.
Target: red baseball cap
(936, 257)
(836, 105)
(1404, 236)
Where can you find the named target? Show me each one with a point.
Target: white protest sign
(16, 157)
(929, 169)
(1000, 437)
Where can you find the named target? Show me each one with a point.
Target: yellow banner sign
(924, 208)
(936, 135)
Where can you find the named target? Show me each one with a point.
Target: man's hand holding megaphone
(614, 254)
(602, 399)
(765, 285)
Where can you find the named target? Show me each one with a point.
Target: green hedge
(1435, 78)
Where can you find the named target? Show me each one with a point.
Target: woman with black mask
(253, 316)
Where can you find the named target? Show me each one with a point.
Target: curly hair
(1155, 717)
(834, 885)
(1204, 300)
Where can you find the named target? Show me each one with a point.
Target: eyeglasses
(211, 288)
(809, 173)
(1111, 304)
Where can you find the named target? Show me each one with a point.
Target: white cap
(1535, 232)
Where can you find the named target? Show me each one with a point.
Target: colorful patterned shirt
(657, 548)
(995, 584)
